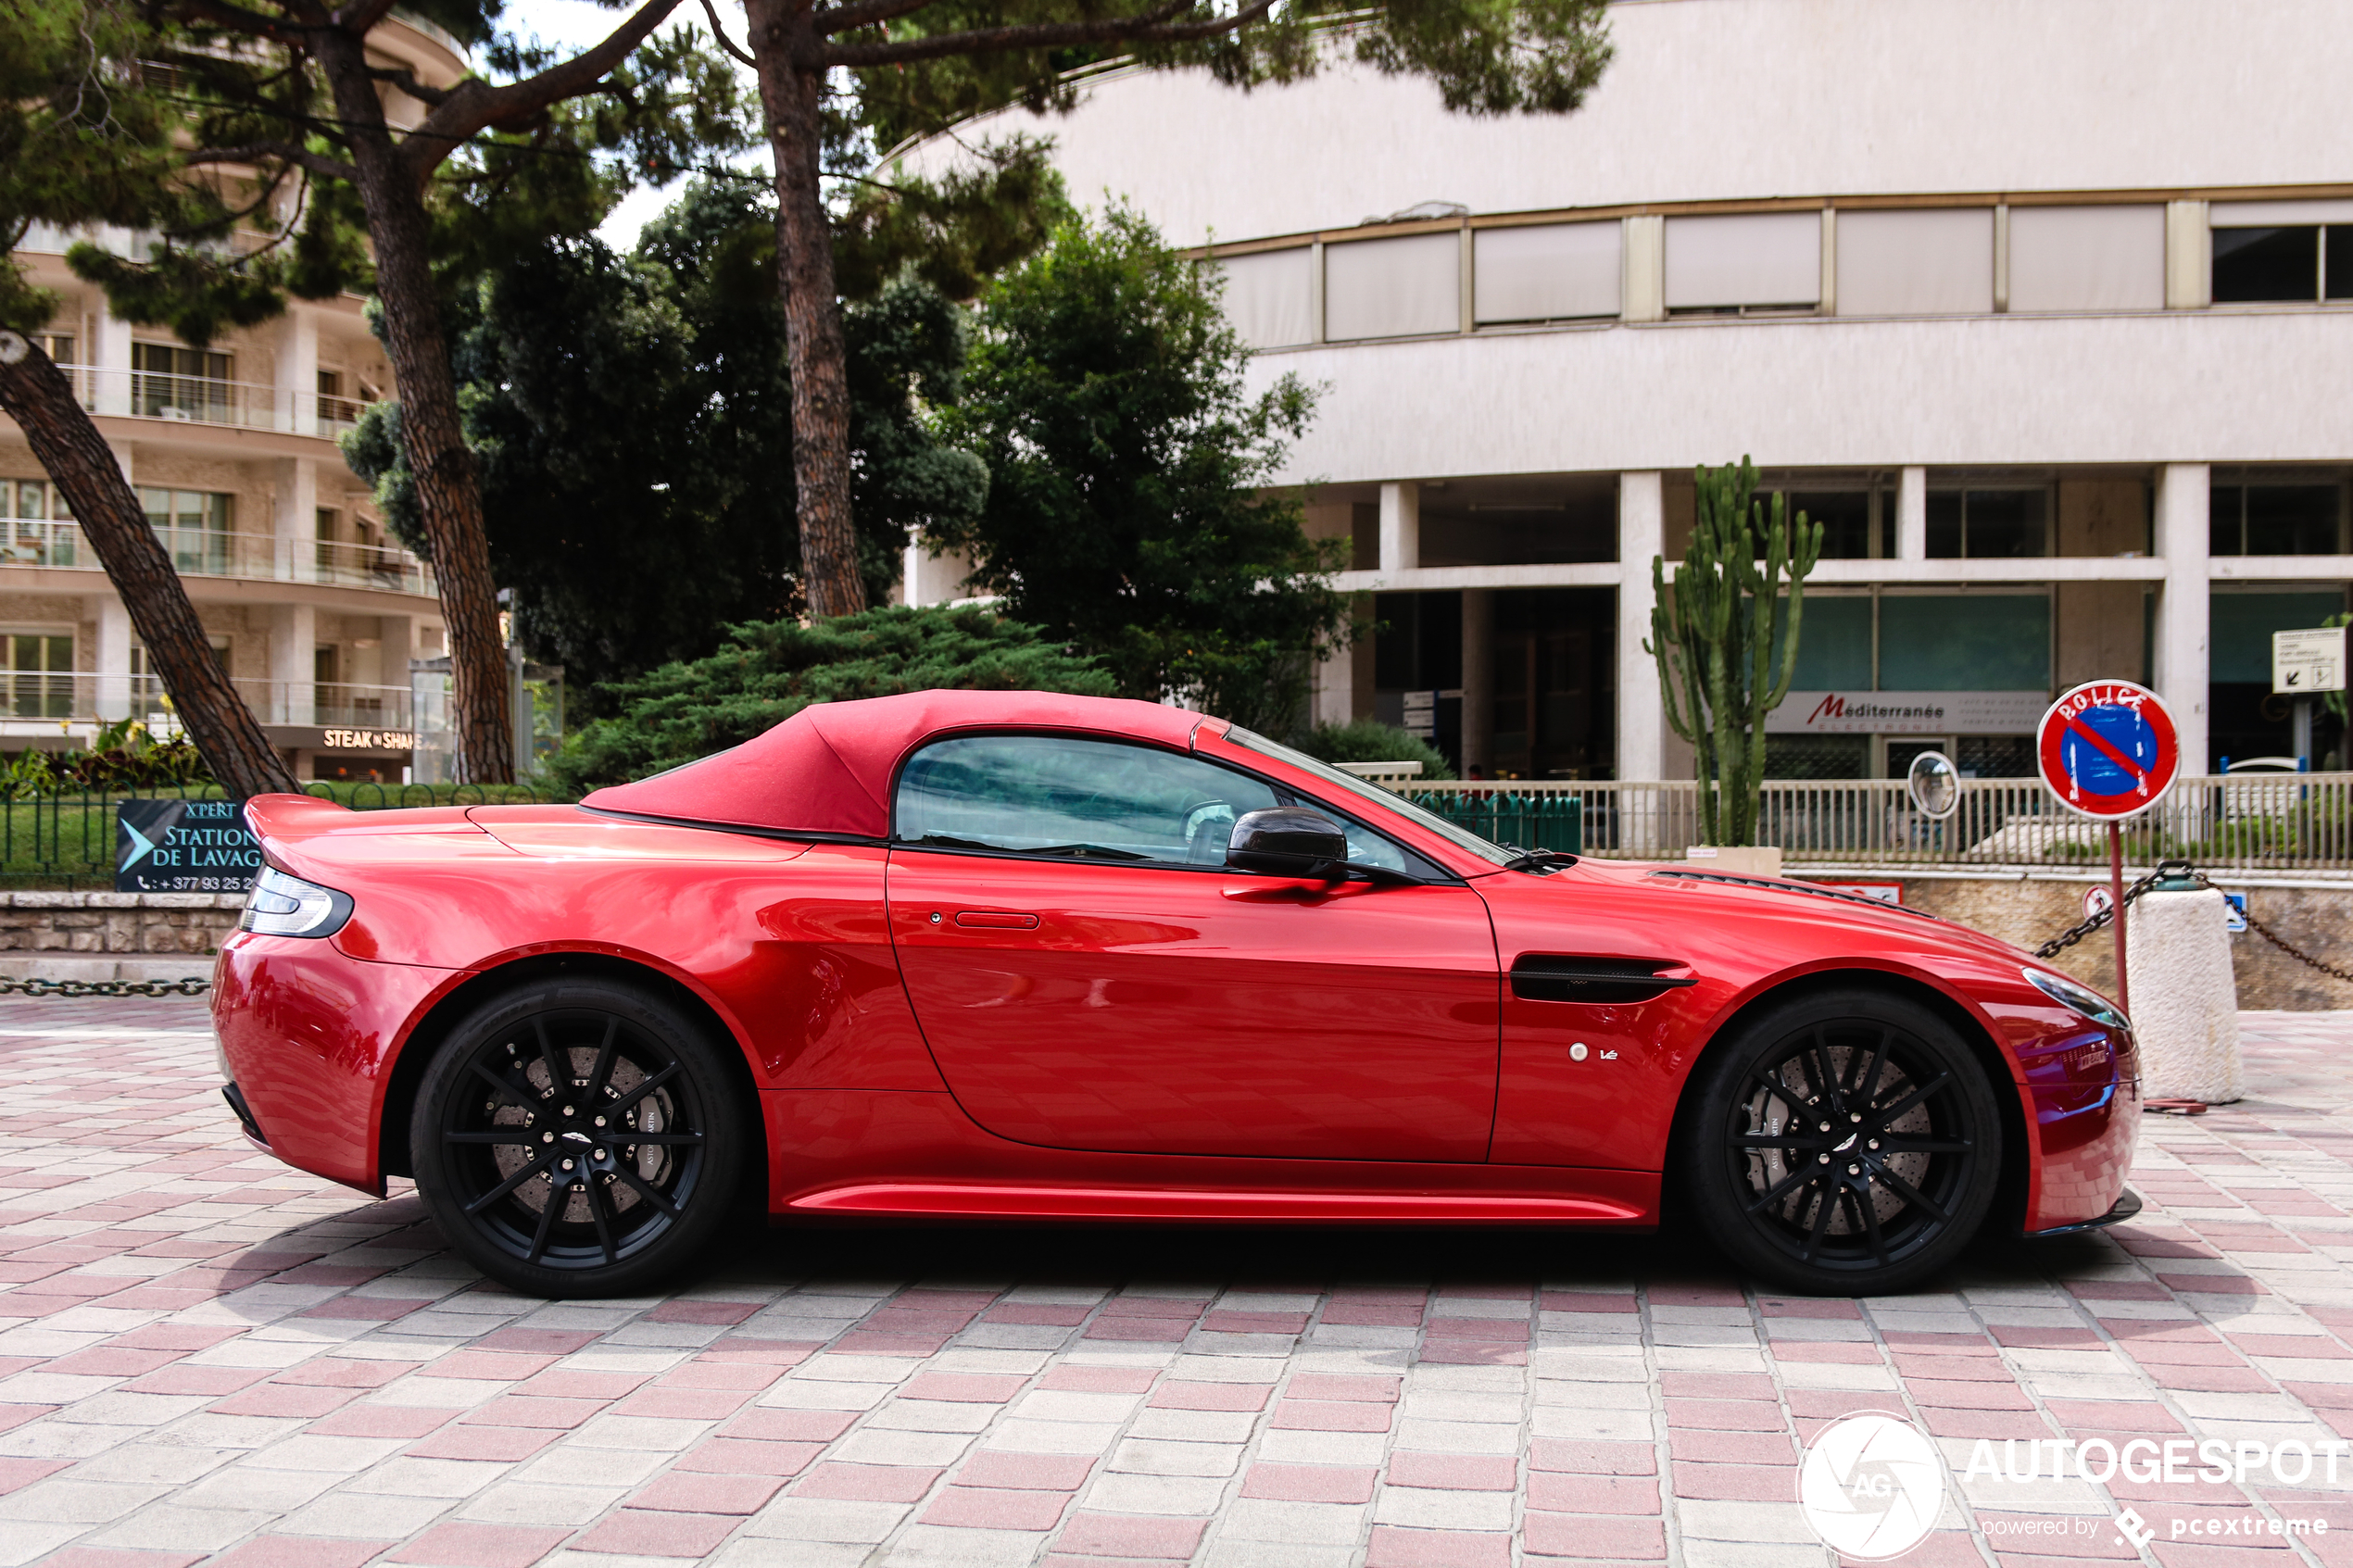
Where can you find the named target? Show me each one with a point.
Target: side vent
(1549, 977)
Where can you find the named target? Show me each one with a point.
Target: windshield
(1494, 854)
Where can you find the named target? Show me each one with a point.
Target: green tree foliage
(1718, 631)
(858, 77)
(1369, 740)
(768, 671)
(627, 413)
(1106, 397)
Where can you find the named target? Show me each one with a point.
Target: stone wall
(2030, 909)
(93, 924)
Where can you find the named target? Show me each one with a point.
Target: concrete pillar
(1401, 526)
(1642, 278)
(294, 648)
(927, 579)
(2184, 605)
(2189, 257)
(1642, 532)
(1911, 515)
(294, 558)
(110, 358)
(298, 381)
(1478, 680)
(114, 656)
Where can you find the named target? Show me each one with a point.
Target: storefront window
(1964, 642)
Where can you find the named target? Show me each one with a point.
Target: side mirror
(1287, 840)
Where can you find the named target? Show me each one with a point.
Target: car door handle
(996, 920)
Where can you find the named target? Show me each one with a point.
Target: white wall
(2222, 387)
(1746, 98)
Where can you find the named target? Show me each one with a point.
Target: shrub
(769, 670)
(1369, 740)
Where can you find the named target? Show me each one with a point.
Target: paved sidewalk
(205, 1356)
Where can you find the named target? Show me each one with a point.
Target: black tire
(1894, 1187)
(607, 1089)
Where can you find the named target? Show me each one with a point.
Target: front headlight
(2083, 999)
(287, 905)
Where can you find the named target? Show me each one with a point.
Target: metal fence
(2239, 822)
(68, 840)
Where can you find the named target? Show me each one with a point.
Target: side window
(1086, 799)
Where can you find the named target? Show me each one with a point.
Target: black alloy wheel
(1844, 1144)
(575, 1138)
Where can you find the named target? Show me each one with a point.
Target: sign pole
(2116, 892)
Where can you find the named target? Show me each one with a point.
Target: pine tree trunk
(448, 488)
(66, 441)
(791, 91)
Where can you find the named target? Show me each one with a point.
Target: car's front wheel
(1844, 1143)
(576, 1138)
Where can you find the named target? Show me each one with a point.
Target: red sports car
(1008, 955)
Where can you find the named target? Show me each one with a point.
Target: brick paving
(207, 1358)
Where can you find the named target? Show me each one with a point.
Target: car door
(1089, 975)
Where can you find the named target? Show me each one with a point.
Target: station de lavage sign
(184, 846)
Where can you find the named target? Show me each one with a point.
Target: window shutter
(1747, 258)
(1916, 262)
(1393, 288)
(1270, 296)
(2087, 258)
(1546, 272)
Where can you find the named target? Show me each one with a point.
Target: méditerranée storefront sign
(1907, 713)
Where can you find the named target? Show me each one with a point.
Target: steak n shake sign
(1907, 713)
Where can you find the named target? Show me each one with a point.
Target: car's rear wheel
(576, 1138)
(1844, 1143)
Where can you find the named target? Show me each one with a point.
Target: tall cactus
(1713, 631)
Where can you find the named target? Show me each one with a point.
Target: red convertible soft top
(827, 769)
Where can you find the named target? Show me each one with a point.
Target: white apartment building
(2045, 311)
(311, 607)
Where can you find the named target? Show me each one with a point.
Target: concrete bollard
(2185, 1000)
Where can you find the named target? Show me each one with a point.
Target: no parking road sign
(2109, 749)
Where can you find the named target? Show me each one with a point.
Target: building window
(1546, 272)
(38, 529)
(39, 674)
(1409, 287)
(172, 382)
(1270, 296)
(1746, 262)
(1920, 262)
(194, 526)
(336, 412)
(2085, 258)
(2292, 252)
(2276, 520)
(1964, 642)
(1988, 525)
(1857, 524)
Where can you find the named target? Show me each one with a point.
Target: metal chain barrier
(2075, 933)
(193, 985)
(2273, 938)
(2099, 921)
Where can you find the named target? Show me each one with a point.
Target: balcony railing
(84, 697)
(147, 395)
(204, 552)
(2241, 822)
